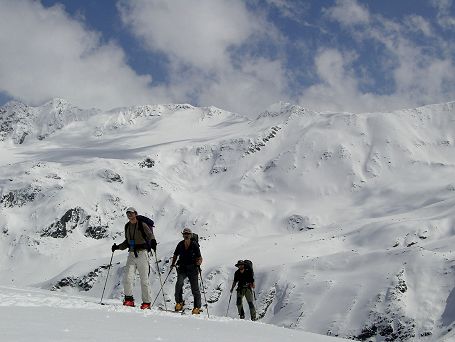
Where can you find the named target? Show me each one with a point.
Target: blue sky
(243, 56)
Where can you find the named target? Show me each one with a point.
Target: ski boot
(179, 306)
(129, 301)
(145, 306)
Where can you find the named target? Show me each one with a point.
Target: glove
(153, 245)
(114, 247)
(172, 266)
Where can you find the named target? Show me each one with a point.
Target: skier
(138, 239)
(189, 261)
(245, 279)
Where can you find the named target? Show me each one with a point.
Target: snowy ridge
(20, 121)
(349, 218)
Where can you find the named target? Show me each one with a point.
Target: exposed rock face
(299, 223)
(147, 163)
(111, 176)
(67, 223)
(83, 283)
(20, 197)
(97, 232)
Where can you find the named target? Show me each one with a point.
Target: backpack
(195, 238)
(249, 266)
(148, 221)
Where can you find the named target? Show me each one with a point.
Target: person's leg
(250, 299)
(239, 303)
(143, 266)
(179, 285)
(128, 276)
(194, 282)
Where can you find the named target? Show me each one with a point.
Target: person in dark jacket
(245, 280)
(137, 234)
(189, 260)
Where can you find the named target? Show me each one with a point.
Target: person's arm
(234, 282)
(198, 255)
(176, 254)
(251, 282)
(233, 285)
(122, 246)
(150, 236)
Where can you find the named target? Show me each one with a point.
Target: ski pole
(165, 279)
(108, 270)
(203, 291)
(227, 311)
(161, 281)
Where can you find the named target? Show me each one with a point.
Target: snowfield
(348, 218)
(29, 314)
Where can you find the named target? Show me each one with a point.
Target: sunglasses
(186, 233)
(130, 212)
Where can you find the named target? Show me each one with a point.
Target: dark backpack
(249, 266)
(195, 238)
(148, 221)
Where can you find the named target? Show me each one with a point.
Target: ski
(184, 311)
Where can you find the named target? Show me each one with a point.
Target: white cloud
(420, 75)
(338, 89)
(204, 40)
(445, 19)
(416, 23)
(252, 88)
(47, 54)
(211, 47)
(348, 13)
(198, 33)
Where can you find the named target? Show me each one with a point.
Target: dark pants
(248, 294)
(190, 271)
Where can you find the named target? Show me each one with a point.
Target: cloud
(230, 54)
(338, 88)
(445, 20)
(198, 33)
(256, 85)
(209, 45)
(418, 24)
(348, 13)
(47, 54)
(418, 73)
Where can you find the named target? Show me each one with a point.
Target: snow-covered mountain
(349, 218)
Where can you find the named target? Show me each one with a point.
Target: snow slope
(349, 218)
(27, 314)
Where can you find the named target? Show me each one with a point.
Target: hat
(187, 230)
(240, 262)
(131, 209)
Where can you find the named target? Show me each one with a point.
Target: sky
(242, 56)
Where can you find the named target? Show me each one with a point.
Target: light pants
(141, 264)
